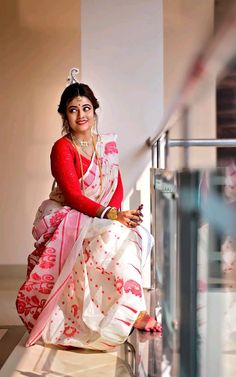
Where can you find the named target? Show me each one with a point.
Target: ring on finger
(130, 222)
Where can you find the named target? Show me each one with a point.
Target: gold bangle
(112, 213)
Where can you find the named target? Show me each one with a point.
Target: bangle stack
(112, 214)
(109, 213)
(104, 212)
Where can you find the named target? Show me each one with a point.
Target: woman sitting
(84, 278)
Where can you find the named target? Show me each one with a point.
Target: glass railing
(194, 224)
(195, 229)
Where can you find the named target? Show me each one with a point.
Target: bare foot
(147, 323)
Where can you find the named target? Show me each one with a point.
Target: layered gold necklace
(84, 144)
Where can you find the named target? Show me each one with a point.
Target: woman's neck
(82, 136)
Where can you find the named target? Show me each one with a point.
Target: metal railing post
(187, 244)
(162, 151)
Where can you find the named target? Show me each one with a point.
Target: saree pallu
(84, 279)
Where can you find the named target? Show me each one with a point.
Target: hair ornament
(72, 79)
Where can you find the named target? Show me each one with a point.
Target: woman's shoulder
(64, 140)
(63, 143)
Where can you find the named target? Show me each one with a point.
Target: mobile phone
(140, 207)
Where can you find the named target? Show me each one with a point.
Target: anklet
(141, 315)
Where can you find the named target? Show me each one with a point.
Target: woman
(84, 285)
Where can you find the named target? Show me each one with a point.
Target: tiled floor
(2, 333)
(137, 357)
(10, 337)
(51, 361)
(10, 280)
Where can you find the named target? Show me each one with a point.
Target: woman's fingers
(132, 222)
(130, 218)
(136, 216)
(136, 219)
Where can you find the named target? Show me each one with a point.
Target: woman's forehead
(79, 101)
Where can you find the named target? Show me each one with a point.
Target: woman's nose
(80, 113)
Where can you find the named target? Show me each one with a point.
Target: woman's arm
(64, 172)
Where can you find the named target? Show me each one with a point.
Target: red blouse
(66, 170)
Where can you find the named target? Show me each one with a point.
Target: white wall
(122, 60)
(39, 41)
(187, 26)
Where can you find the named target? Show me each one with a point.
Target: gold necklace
(85, 152)
(82, 143)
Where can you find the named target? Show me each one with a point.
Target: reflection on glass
(166, 261)
(195, 226)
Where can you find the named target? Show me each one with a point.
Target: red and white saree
(84, 283)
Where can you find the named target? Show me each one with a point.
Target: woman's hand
(131, 218)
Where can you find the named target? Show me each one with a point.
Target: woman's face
(80, 116)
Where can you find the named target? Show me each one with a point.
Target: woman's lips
(81, 122)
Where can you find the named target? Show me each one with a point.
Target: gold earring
(66, 126)
(94, 128)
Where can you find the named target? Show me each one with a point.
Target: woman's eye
(87, 108)
(73, 110)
